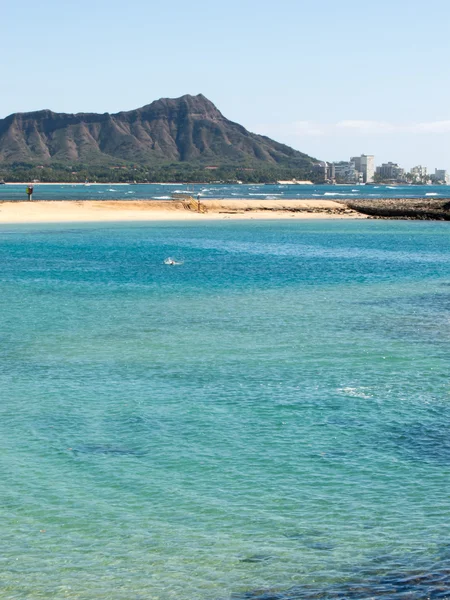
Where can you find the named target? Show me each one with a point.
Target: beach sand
(117, 210)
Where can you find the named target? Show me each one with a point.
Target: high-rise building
(325, 171)
(419, 174)
(441, 176)
(346, 172)
(365, 164)
(390, 170)
(331, 172)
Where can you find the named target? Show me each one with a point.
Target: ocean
(153, 191)
(267, 420)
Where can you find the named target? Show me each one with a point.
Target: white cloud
(365, 127)
(352, 127)
(433, 127)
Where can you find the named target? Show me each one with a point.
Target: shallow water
(268, 419)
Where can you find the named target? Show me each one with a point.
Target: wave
(111, 190)
(162, 198)
(335, 194)
(355, 392)
(432, 194)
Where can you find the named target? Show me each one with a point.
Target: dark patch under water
(256, 558)
(434, 301)
(424, 441)
(302, 535)
(414, 585)
(111, 450)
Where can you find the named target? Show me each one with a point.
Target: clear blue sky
(332, 78)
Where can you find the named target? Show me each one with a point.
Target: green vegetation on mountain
(182, 139)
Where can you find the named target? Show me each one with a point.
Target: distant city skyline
(363, 169)
(426, 143)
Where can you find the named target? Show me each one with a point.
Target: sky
(332, 78)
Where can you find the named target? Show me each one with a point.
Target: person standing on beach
(198, 202)
(30, 192)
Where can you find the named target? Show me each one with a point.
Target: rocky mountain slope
(187, 129)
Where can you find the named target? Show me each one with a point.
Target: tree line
(164, 173)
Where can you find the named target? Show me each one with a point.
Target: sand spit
(153, 210)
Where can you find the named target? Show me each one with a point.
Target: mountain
(189, 129)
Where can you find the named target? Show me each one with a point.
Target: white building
(419, 174)
(390, 171)
(365, 164)
(346, 172)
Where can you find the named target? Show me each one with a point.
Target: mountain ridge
(185, 129)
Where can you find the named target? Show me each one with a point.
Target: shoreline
(68, 211)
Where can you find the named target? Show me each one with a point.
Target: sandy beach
(118, 210)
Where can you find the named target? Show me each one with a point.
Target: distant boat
(2, 182)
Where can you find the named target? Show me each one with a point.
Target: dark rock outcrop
(403, 208)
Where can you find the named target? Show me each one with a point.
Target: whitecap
(162, 198)
(432, 194)
(355, 392)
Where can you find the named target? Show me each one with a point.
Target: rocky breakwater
(403, 208)
(301, 207)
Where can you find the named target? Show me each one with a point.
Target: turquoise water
(267, 420)
(163, 191)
